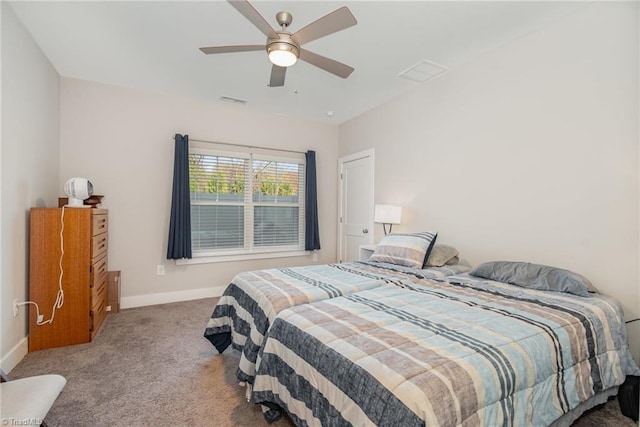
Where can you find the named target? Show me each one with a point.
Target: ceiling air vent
(232, 100)
(423, 71)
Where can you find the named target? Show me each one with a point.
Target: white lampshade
(387, 214)
(282, 54)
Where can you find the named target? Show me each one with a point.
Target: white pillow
(441, 255)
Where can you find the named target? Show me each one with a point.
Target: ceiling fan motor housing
(283, 42)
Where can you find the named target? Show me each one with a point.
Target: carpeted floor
(152, 366)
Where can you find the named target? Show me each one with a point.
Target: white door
(356, 204)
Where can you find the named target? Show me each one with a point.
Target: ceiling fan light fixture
(283, 54)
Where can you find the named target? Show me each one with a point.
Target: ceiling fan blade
(335, 21)
(334, 67)
(229, 49)
(250, 12)
(277, 76)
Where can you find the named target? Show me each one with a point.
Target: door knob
(365, 231)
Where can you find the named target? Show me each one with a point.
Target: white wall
(30, 150)
(529, 152)
(122, 140)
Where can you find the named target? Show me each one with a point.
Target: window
(243, 203)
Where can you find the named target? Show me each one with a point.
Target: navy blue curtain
(311, 230)
(180, 223)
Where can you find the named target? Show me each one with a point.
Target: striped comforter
(250, 303)
(463, 352)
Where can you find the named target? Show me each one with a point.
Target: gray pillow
(535, 276)
(440, 255)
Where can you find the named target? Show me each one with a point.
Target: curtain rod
(244, 145)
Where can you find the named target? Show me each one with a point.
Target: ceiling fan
(284, 48)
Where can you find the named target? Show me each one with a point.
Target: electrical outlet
(315, 256)
(15, 307)
(160, 270)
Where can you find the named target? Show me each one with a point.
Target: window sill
(240, 257)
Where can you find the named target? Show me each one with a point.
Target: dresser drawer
(99, 224)
(99, 291)
(99, 246)
(99, 270)
(99, 308)
(97, 317)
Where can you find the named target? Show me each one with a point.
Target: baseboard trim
(167, 297)
(15, 355)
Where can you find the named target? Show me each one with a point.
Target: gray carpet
(151, 366)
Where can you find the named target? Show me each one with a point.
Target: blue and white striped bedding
(461, 352)
(248, 306)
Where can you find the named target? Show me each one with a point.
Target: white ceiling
(153, 45)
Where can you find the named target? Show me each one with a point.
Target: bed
(465, 351)
(249, 304)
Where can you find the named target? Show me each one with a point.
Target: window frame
(250, 250)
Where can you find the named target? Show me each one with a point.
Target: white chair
(27, 401)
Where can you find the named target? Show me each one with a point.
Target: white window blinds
(243, 203)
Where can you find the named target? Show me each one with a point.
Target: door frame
(370, 154)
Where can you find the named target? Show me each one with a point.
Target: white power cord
(60, 295)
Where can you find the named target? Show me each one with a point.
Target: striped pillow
(405, 249)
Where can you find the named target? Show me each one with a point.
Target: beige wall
(29, 159)
(121, 139)
(529, 152)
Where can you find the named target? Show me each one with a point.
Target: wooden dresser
(84, 279)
